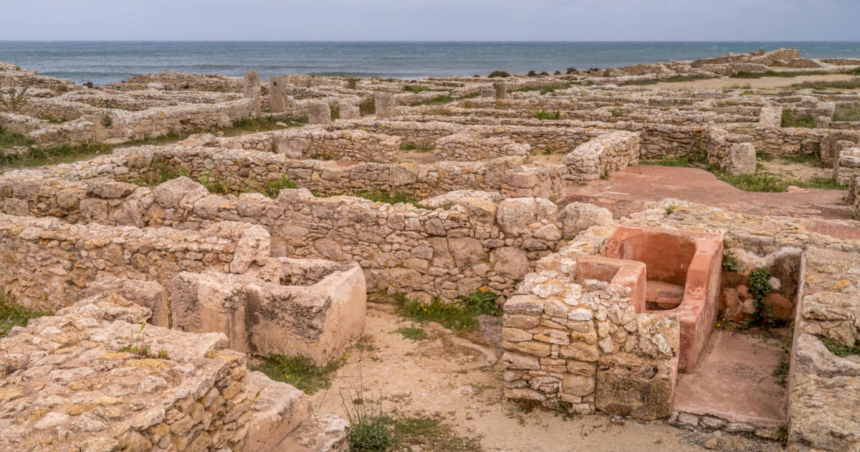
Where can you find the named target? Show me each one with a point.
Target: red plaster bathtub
(682, 278)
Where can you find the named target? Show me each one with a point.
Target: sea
(102, 62)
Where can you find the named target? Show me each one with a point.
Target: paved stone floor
(734, 381)
(626, 191)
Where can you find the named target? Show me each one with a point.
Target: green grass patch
(847, 112)
(449, 315)
(413, 333)
(542, 89)
(415, 88)
(672, 79)
(389, 198)
(300, 372)
(758, 182)
(619, 112)
(839, 349)
(459, 316)
(12, 315)
(788, 74)
(791, 118)
(430, 433)
(547, 116)
(822, 183)
(438, 100)
(853, 83)
(9, 139)
(414, 147)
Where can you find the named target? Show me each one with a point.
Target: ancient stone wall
(602, 156)
(824, 387)
(48, 263)
(314, 142)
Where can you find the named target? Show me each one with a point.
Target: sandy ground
(435, 377)
(758, 83)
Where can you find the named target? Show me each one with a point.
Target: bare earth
(758, 83)
(436, 378)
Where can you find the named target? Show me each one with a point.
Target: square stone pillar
(385, 106)
(277, 94)
(501, 90)
(252, 90)
(319, 113)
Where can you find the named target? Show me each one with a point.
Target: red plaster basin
(682, 278)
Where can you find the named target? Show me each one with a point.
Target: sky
(431, 20)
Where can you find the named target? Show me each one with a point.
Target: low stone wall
(582, 347)
(126, 386)
(289, 307)
(47, 264)
(181, 119)
(473, 145)
(176, 81)
(602, 156)
(238, 170)
(316, 142)
(823, 387)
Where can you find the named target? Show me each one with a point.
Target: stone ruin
(264, 243)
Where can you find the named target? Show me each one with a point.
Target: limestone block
(319, 112)
(741, 159)
(577, 217)
(148, 294)
(488, 92)
(628, 385)
(348, 111)
(386, 105)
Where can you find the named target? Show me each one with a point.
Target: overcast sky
(431, 20)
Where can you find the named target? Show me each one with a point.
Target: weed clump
(299, 371)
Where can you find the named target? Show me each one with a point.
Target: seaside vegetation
(499, 74)
(853, 83)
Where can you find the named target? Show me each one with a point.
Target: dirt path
(757, 83)
(433, 377)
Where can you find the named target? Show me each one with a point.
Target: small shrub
(730, 261)
(499, 74)
(839, 349)
(759, 287)
(107, 121)
(543, 115)
(619, 113)
(274, 187)
(414, 147)
(12, 315)
(14, 99)
(299, 371)
(670, 210)
(449, 315)
(482, 302)
(369, 430)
